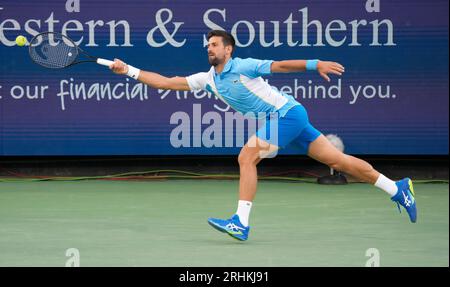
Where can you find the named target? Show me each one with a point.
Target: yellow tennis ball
(21, 41)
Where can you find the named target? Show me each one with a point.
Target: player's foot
(232, 227)
(405, 197)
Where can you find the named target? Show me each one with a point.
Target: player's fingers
(115, 65)
(323, 75)
(336, 66)
(118, 62)
(118, 66)
(338, 70)
(335, 72)
(340, 67)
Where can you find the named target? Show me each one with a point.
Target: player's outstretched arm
(154, 80)
(323, 67)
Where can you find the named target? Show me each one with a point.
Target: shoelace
(398, 206)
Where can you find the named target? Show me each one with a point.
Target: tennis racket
(56, 51)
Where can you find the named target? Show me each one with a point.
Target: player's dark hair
(227, 38)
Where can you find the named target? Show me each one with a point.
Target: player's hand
(324, 68)
(119, 67)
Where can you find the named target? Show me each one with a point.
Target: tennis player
(239, 83)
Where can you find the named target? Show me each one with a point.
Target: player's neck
(219, 68)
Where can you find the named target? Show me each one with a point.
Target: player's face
(216, 51)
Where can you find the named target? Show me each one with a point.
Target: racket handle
(104, 62)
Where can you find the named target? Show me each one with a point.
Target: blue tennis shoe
(405, 197)
(232, 227)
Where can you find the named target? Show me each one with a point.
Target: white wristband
(133, 72)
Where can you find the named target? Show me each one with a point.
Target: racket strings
(55, 53)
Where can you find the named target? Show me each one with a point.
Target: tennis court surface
(164, 223)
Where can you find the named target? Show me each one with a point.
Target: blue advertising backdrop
(392, 99)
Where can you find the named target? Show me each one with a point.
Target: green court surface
(164, 223)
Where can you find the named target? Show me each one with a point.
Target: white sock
(386, 184)
(243, 211)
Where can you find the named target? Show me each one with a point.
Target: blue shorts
(293, 129)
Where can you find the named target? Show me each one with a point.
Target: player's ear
(229, 49)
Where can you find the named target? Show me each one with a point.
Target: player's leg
(322, 150)
(276, 132)
(401, 192)
(251, 154)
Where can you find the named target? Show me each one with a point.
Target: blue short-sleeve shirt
(241, 86)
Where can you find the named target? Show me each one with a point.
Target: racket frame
(97, 60)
